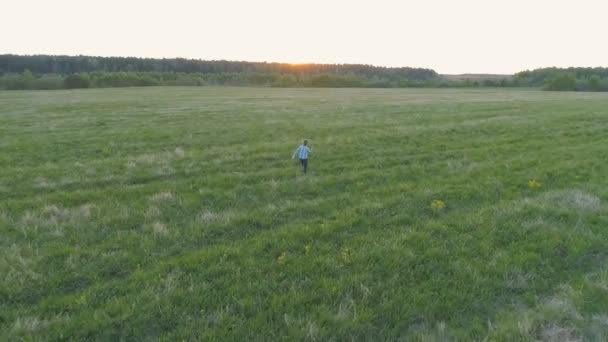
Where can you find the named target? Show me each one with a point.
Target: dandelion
(437, 204)
(534, 184)
(281, 257)
(346, 255)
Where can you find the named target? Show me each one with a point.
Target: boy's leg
(305, 164)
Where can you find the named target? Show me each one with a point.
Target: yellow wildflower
(437, 204)
(534, 184)
(281, 257)
(346, 255)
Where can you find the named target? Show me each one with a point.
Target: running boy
(302, 152)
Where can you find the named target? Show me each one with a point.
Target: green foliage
(104, 72)
(13, 81)
(10, 81)
(27, 79)
(67, 65)
(563, 82)
(596, 83)
(77, 81)
(124, 79)
(144, 79)
(570, 79)
(177, 214)
(48, 82)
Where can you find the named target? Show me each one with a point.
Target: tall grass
(177, 213)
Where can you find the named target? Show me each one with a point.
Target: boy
(303, 151)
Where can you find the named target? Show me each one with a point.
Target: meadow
(427, 215)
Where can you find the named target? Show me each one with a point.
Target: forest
(565, 79)
(69, 72)
(55, 72)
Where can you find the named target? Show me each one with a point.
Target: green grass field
(178, 214)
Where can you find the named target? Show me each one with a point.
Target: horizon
(304, 63)
(468, 37)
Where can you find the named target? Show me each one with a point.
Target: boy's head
(305, 142)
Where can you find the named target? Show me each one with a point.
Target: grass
(428, 215)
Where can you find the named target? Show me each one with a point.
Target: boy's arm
(294, 154)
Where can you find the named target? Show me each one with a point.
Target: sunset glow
(448, 36)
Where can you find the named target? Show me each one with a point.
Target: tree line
(565, 79)
(28, 80)
(67, 65)
(57, 72)
(67, 72)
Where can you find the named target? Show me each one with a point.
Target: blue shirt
(303, 152)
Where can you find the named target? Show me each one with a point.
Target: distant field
(177, 214)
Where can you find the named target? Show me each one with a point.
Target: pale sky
(450, 36)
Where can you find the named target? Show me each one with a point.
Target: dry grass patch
(43, 183)
(158, 163)
(179, 152)
(55, 218)
(162, 197)
(556, 333)
(17, 265)
(157, 200)
(573, 199)
(557, 318)
(461, 165)
(518, 280)
(160, 229)
(152, 212)
(207, 216)
(29, 325)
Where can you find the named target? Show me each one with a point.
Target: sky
(449, 36)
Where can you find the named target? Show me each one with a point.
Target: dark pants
(304, 163)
